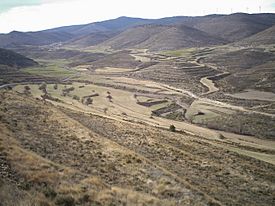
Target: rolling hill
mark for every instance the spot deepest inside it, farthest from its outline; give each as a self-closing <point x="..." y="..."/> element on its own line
<point x="161" y="37"/>
<point x="12" y="59"/>
<point x="232" y="27"/>
<point x="90" y="39"/>
<point x="225" y="28"/>
<point x="220" y="29"/>
<point x="265" y="37"/>
<point x="16" y="38"/>
<point x="104" y="26"/>
<point x="74" y="33"/>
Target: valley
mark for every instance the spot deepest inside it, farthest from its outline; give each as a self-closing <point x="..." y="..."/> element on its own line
<point x="145" y="112"/>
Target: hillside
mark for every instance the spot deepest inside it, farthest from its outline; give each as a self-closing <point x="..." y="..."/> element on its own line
<point x="250" y="68"/>
<point x="63" y="34"/>
<point x="265" y="37"/>
<point x="90" y="39"/>
<point x="103" y="26"/>
<point x="232" y="27"/>
<point x="15" y="38"/>
<point x="12" y="59"/>
<point x="161" y="37"/>
<point x="121" y="59"/>
<point x="55" y="156"/>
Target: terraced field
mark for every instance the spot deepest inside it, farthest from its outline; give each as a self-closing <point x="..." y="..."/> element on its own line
<point x="156" y="129"/>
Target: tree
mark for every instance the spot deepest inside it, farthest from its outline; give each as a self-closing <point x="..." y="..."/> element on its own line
<point x="109" y="97"/>
<point x="89" y="100"/>
<point x="172" y="128"/>
<point x="75" y="97"/>
<point x="105" y="110"/>
<point x="55" y="86"/>
<point x="43" y="87"/>
<point x="27" y="90"/>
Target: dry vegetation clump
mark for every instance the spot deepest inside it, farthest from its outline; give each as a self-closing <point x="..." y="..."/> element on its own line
<point x="75" y="97"/>
<point x="27" y="90"/>
<point x="55" y="86"/>
<point x="43" y="87"/>
<point x="66" y="91"/>
<point x="109" y="97"/>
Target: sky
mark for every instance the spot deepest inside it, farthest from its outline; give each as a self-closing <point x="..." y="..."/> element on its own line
<point x="34" y="15"/>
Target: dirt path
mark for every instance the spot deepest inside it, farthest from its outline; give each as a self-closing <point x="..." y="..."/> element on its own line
<point x="206" y="81"/>
<point x="209" y="84"/>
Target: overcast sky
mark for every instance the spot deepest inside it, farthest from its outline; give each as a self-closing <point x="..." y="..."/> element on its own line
<point x="33" y="15"/>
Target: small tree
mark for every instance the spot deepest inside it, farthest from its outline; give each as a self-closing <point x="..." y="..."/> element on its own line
<point x="109" y="97"/>
<point x="27" y="90"/>
<point x="105" y="110"/>
<point x="75" y="97"/>
<point x="172" y="128"/>
<point x="89" y="100"/>
<point x="55" y="86"/>
<point x="43" y="87"/>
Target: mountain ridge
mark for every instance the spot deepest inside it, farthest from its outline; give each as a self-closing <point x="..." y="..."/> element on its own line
<point x="161" y="37"/>
<point x="230" y="28"/>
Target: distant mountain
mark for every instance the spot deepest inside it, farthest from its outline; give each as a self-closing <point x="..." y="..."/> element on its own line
<point x="225" y="28"/>
<point x="265" y="37"/>
<point x="117" y="24"/>
<point x="232" y="27"/>
<point x="75" y="33"/>
<point x="218" y="28"/>
<point x="12" y="59"/>
<point x="16" y="38"/>
<point x="161" y="37"/>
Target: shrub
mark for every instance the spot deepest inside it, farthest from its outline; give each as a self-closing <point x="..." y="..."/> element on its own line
<point x="89" y="100"/>
<point x="49" y="193"/>
<point x="27" y="90"/>
<point x="105" y="110"/>
<point x="66" y="91"/>
<point x="43" y="87"/>
<point x="172" y="128"/>
<point x="55" y="86"/>
<point x="109" y="97"/>
<point x="75" y="97"/>
<point x="65" y="201"/>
